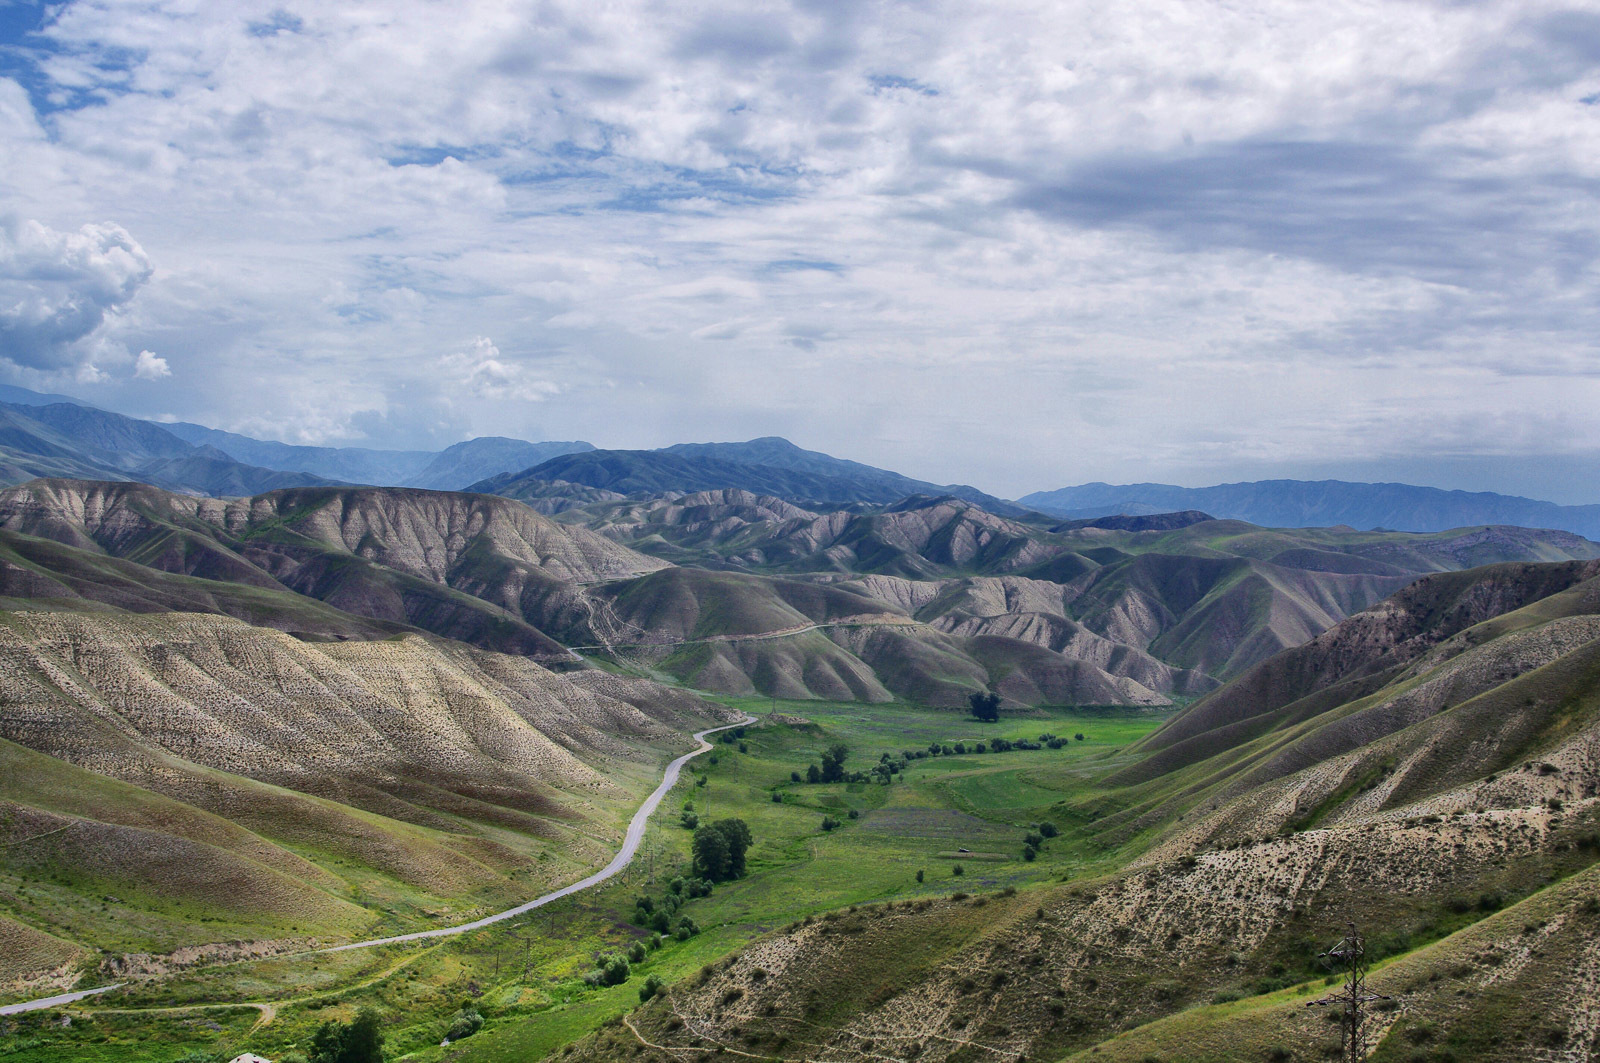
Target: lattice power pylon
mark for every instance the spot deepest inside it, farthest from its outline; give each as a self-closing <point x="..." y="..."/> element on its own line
<point x="1350" y="956"/>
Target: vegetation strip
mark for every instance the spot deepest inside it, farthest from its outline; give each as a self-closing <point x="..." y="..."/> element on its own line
<point x="630" y="845"/>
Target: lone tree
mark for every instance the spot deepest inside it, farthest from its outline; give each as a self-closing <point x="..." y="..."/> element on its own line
<point x="719" y="849"/>
<point x="833" y="762"/>
<point x="985" y="707"/>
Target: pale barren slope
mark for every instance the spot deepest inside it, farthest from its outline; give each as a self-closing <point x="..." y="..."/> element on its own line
<point x="196" y="768"/>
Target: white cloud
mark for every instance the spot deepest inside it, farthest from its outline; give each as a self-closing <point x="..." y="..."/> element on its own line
<point x="483" y="372"/>
<point x="56" y="288"/>
<point x="1107" y="241"/>
<point x="151" y="367"/>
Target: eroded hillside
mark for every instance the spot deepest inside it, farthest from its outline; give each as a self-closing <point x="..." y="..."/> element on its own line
<point x="180" y="779"/>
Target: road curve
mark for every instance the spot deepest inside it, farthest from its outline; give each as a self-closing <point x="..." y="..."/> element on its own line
<point x="624" y="857"/>
<point x="630" y="846"/>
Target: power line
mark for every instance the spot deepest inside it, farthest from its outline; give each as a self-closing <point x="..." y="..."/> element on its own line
<point x="1350" y="955"/>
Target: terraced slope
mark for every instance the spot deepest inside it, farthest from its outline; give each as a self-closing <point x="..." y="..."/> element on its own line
<point x="187" y="780"/>
<point x="1417" y="768"/>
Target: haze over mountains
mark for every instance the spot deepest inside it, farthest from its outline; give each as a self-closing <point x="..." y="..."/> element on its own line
<point x="1321" y="504"/>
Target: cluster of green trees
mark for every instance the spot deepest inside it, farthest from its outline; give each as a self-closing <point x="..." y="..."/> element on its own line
<point x="720" y="848"/>
<point x="358" y="1041"/>
<point x="833" y="769"/>
<point x="663" y="916"/>
<point x="1034" y="840"/>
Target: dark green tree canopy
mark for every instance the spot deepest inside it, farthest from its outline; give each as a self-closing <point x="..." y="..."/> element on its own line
<point x="720" y="847"/>
<point x="358" y="1041"/>
<point x="985" y="707"/>
<point x="833" y="762"/>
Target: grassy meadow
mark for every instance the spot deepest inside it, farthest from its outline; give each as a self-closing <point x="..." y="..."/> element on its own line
<point x="526" y="976"/>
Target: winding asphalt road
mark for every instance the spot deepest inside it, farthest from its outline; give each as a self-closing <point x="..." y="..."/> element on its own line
<point x="624" y="857"/>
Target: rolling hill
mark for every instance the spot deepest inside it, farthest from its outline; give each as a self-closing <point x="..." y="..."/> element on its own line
<point x="1426" y="768"/>
<point x="192" y="780"/>
<point x="1069" y="615"/>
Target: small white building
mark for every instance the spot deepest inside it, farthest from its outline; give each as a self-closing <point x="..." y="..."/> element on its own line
<point x="249" y="1057"/>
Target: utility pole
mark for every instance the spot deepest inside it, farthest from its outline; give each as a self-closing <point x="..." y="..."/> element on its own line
<point x="1350" y="956"/>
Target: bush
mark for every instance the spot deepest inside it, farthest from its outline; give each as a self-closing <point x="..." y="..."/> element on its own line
<point x="636" y="952"/>
<point x="1078" y="737"/>
<point x="651" y="987"/>
<point x="958" y="870"/>
<point x="690" y="820"/>
<point x="686" y="929"/>
<point x="1033" y="838"/>
<point x="1048" y="829"/>
<point x="794" y="776"/>
<point x="744" y="747"/>
<point x="359" y="1041"/>
<point x="855" y="814"/>
<point x="828" y="823"/>
<point x="464" y="1023"/>
<point x="920" y="875"/>
<point x="777" y="798"/>
<point x="1029" y="853"/>
<point x="615" y="971"/>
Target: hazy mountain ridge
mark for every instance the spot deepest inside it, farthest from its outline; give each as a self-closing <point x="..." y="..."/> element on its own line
<point x="78" y="440"/>
<point x="1322" y="503"/>
<point x="766" y="466"/>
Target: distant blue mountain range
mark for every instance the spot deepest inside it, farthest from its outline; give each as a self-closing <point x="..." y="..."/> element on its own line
<point x="1321" y="503"/>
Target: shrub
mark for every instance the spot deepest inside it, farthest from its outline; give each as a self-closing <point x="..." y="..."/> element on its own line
<point x="615" y="971"/>
<point x="744" y="747"/>
<point x="920" y="874"/>
<point x="636" y="952"/>
<point x="855" y="814"/>
<point x="828" y="823"/>
<point x="794" y="776"/>
<point x="777" y="798"/>
<point x="464" y="1023"/>
<point x="1078" y="737"/>
<point x="1029" y="853"/>
<point x="1033" y="838"/>
<point x="690" y="820"/>
<point x="958" y="870"/>
<point x="651" y="987"/>
<point x="1048" y="829"/>
<point x="359" y="1041"/>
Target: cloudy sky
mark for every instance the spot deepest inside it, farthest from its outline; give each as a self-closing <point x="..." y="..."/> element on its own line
<point x="1018" y="245"/>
